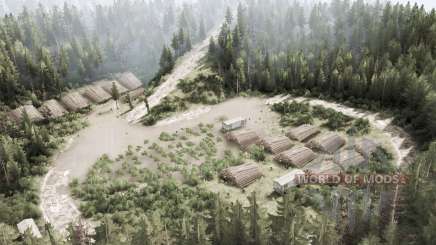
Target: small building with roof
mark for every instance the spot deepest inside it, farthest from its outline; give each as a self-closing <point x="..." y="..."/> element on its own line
<point x="233" y="124"/>
<point x="129" y="80"/>
<point x="74" y="101"/>
<point x="52" y="109"/>
<point x="18" y="114"/>
<point x="283" y="183"/>
<point x="107" y="86"/>
<point x="96" y="94"/>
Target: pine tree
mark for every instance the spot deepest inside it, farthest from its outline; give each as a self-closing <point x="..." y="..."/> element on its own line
<point x="255" y="234"/>
<point x="238" y="232"/>
<point x="115" y="93"/>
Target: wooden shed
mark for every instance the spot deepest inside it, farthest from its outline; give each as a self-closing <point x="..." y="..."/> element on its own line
<point x="366" y="147"/>
<point x="33" y="114"/>
<point x="29" y="225"/>
<point x="303" y="132"/>
<point x="129" y="80"/>
<point x="244" y="138"/>
<point x="107" y="86"/>
<point x="96" y="94"/>
<point x="328" y="143"/>
<point x="74" y="101"/>
<point x="242" y="175"/>
<point x="298" y="156"/>
<point x="348" y="158"/>
<point x="283" y="183"/>
<point x="278" y="144"/>
<point x="52" y="109"/>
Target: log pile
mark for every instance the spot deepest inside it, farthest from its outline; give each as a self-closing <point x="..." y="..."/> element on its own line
<point x="277" y="145"/>
<point x="243" y="138"/>
<point x="329" y="143"/>
<point x="348" y="158"/>
<point x="242" y="175"/>
<point x="366" y="147"/>
<point x="298" y="156"/>
<point x="303" y="132"/>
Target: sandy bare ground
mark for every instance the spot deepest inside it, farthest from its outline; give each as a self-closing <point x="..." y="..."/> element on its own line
<point x="111" y="134"/>
<point x="185" y="66"/>
<point x="377" y="122"/>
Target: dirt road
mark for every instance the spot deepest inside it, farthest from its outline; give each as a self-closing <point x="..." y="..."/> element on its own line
<point x="377" y="122"/>
<point x="106" y="134"/>
<point x="185" y="66"/>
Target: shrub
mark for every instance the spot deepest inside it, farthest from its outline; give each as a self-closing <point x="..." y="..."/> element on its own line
<point x="164" y="136"/>
<point x="257" y="153"/>
<point x="360" y="127"/>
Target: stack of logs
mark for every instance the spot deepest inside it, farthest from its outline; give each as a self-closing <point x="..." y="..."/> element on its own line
<point x="276" y="145"/>
<point x="242" y="175"/>
<point x="244" y="138"/>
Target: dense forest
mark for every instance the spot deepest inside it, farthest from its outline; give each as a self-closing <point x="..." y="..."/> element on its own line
<point x="46" y="51"/>
<point x="372" y="55"/>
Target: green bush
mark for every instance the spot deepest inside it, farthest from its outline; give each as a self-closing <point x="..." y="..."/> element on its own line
<point x="257" y="153"/>
<point x="360" y="127"/>
<point x="164" y="136"/>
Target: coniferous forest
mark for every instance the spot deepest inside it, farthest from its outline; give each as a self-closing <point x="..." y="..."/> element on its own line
<point x="374" y="56"/>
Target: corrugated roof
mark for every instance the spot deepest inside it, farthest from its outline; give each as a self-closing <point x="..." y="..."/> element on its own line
<point x="33" y="114"/>
<point x="96" y="93"/>
<point x="129" y="80"/>
<point x="52" y="109"/>
<point x="107" y="86"/>
<point x="74" y="101"/>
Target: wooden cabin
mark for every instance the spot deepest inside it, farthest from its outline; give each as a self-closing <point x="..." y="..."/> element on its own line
<point x="282" y="184"/>
<point x="74" y="101"/>
<point x="348" y="158"/>
<point x="233" y="124"/>
<point x="297" y="156"/>
<point x="276" y="145"/>
<point x="18" y="114"/>
<point x="328" y="143"/>
<point x="366" y="147"/>
<point x="303" y="132"/>
<point x="96" y="94"/>
<point x="129" y="80"/>
<point x="242" y="175"/>
<point x="52" y="109"/>
<point x="243" y="138"/>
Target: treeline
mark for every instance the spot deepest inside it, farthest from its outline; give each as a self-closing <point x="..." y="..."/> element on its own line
<point x="372" y="55"/>
<point x="43" y="52"/>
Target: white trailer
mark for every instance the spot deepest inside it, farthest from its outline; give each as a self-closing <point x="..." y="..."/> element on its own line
<point x="234" y="124"/>
<point x="29" y="225"/>
<point x="282" y="184"/>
